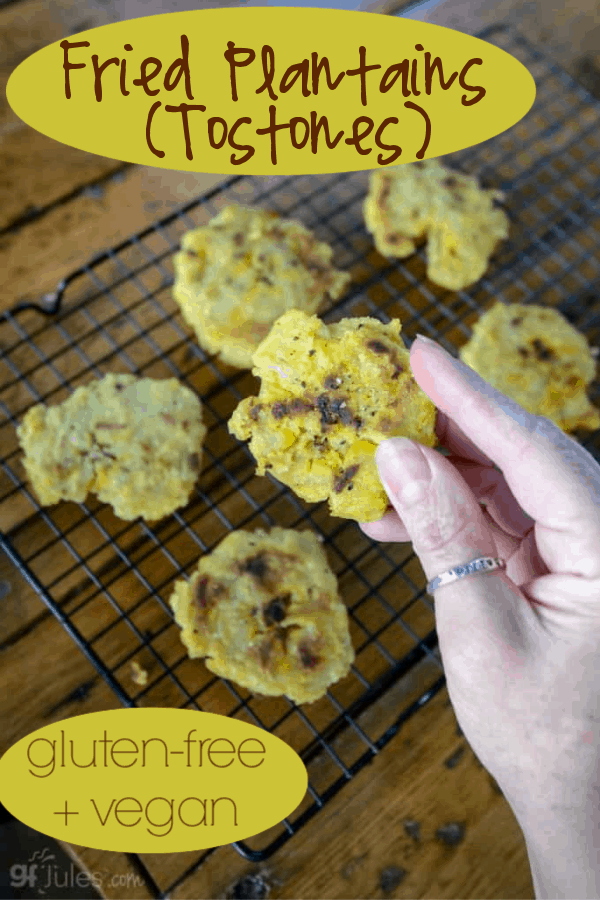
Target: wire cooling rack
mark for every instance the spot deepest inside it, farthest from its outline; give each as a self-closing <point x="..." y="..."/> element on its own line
<point x="108" y="582"/>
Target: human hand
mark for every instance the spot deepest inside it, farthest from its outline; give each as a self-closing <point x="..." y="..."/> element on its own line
<point x="520" y="646"/>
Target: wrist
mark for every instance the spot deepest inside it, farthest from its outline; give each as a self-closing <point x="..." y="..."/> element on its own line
<point x="564" y="852"/>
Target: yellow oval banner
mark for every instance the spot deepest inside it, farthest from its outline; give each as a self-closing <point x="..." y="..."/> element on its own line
<point x="151" y="780"/>
<point x="269" y="91"/>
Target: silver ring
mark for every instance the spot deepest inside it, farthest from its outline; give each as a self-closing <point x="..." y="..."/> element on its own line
<point x="482" y="564"/>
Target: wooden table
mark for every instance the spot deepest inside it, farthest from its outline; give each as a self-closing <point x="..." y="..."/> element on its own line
<point x="380" y="837"/>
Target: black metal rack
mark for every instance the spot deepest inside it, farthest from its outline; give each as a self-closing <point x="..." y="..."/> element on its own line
<point x="108" y="582"/>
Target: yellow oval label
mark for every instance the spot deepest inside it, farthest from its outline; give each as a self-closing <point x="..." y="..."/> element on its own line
<point x="151" y="780"/>
<point x="268" y="91"/>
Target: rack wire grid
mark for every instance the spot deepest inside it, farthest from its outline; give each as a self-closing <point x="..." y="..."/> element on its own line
<point x="108" y="582"/>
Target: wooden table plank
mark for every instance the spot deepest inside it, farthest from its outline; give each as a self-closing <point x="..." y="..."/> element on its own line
<point x="37" y="171"/>
<point x="35" y="258"/>
<point x="21" y="605"/>
<point x="114" y="873"/>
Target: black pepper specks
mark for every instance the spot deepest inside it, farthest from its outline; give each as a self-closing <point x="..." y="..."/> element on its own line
<point x="296" y="407"/>
<point x="276" y="609"/>
<point x="255" y="566"/>
<point x="308" y="659"/>
<point x="345" y="479"/>
<point x="542" y="352"/>
<point x="300" y="406"/>
<point x="335" y="410"/>
<point x="279" y="410"/>
<point x="378" y="347"/>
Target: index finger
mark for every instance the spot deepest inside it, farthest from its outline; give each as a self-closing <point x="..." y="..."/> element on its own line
<point x="553" y="478"/>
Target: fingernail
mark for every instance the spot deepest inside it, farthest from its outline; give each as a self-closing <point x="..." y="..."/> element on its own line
<point x="430" y="343"/>
<point x="405" y="471"/>
<point x="421" y="337"/>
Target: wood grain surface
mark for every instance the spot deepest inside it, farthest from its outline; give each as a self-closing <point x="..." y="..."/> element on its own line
<point x="423" y="819"/>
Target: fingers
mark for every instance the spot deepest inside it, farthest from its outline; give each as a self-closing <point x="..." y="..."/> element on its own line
<point x="565" y="603"/>
<point x="434" y="503"/>
<point x="488" y="486"/>
<point x="389" y="528"/>
<point x="483" y="618"/>
<point x="552" y="477"/>
<point x="452" y="437"/>
<point x="526" y="563"/>
<point x="482" y="613"/>
<point x="448" y="528"/>
<point x="523" y="562"/>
